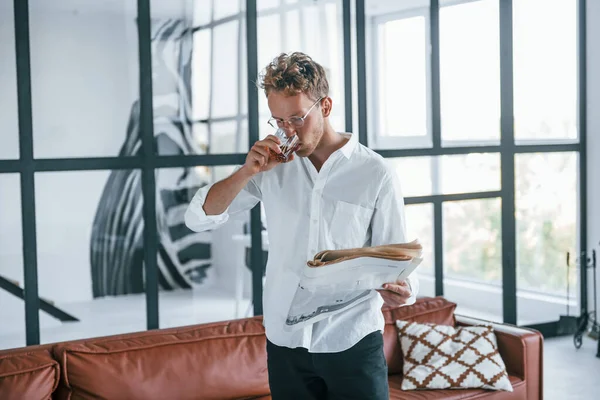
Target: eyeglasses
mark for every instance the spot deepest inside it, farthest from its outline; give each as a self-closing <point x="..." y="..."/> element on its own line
<point x="296" y="122"/>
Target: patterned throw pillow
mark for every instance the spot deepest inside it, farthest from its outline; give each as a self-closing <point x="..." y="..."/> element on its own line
<point x="444" y="357"/>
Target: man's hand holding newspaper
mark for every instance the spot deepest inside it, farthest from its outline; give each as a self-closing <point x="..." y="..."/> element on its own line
<point x="395" y="294"/>
<point x="337" y="279"/>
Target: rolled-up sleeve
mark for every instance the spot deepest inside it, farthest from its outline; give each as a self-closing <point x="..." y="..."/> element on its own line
<point x="196" y="218"/>
<point x="389" y="223"/>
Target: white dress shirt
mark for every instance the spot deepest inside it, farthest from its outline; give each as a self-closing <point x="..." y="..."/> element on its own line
<point x="353" y="201"/>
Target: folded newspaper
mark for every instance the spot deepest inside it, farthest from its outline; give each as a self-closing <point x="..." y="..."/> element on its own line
<point x="338" y="279"/>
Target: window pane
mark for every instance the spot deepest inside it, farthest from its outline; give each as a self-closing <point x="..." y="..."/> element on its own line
<point x="90" y="241"/>
<point x="175" y="52"/>
<point x="402" y="84"/>
<point x="474" y="172"/>
<point x="219" y="89"/>
<point x="419" y="225"/>
<point x="12" y="309"/>
<point x="205" y="276"/>
<point x="546" y="217"/>
<point x="545" y="69"/>
<point x="312" y="28"/>
<point x="473" y="257"/>
<point x="84" y="78"/>
<point x="464" y="173"/>
<point x="201" y="74"/>
<point x="229" y="137"/>
<point x="398" y="74"/>
<point x="225" y="70"/>
<point x="9" y="119"/>
<point x="415" y="174"/>
<point x="470" y="72"/>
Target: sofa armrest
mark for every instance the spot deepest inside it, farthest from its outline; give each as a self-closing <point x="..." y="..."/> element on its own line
<point x="521" y="349"/>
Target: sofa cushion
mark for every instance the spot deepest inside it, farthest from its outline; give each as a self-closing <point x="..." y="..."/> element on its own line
<point x="396" y="393"/>
<point x="212" y="361"/>
<point x="28" y="373"/>
<point x="427" y="309"/>
<point x="444" y="357"/>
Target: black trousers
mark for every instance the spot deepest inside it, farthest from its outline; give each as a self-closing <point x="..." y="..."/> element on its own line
<point x="357" y="373"/>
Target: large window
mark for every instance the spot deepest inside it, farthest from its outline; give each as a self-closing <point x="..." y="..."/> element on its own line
<point x="410" y="50"/>
<point x="494" y="201"/>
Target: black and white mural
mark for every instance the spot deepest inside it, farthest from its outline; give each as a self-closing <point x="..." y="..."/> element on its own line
<point x="117" y="241"/>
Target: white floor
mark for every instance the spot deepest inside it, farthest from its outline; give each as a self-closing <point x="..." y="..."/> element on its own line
<point x="569" y="373"/>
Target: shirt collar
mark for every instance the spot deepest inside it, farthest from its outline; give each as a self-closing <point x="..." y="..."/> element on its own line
<point x="348" y="148"/>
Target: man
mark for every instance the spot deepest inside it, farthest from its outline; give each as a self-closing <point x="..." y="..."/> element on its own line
<point x="334" y="194"/>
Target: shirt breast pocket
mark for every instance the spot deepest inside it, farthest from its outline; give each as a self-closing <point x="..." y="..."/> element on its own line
<point x="350" y="225"/>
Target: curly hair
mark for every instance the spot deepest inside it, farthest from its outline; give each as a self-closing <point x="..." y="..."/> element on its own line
<point x="293" y="74"/>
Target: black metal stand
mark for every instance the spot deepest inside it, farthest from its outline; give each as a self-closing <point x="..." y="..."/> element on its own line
<point x="45" y="305"/>
<point x="590" y="317"/>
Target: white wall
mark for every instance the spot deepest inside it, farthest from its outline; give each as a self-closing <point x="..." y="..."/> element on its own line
<point x="593" y="136"/>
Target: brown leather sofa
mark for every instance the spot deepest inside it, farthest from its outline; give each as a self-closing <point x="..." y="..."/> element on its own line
<point x="227" y="360"/>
